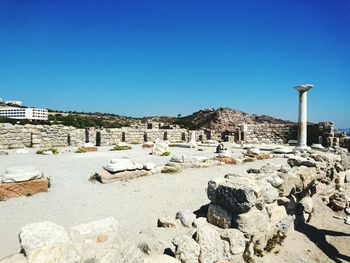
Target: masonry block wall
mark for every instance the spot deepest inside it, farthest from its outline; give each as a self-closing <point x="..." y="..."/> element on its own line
<point x="18" y="136"/>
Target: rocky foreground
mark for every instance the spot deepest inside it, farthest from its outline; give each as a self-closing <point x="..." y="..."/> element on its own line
<point x="249" y="215"/>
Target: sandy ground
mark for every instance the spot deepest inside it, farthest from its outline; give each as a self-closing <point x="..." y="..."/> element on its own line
<point x="137" y="204"/>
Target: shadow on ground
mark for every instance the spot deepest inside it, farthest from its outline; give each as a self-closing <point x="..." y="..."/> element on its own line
<point x="318" y="236"/>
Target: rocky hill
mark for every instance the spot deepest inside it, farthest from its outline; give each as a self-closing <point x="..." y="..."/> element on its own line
<point x="223" y="119"/>
<point x="220" y="119"/>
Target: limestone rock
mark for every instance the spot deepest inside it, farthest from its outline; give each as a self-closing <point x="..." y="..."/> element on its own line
<point x="37" y="238"/>
<point x="166" y="221"/>
<point x="219" y="216"/>
<point x="149" y="166"/>
<point x="106" y="177"/>
<point x="120" y="165"/>
<point x="161" y="259"/>
<point x="123" y="252"/>
<point x="308" y="204"/>
<point x="253" y="223"/>
<point x="21" y="174"/>
<point x="160" y="147"/>
<point x="282" y="150"/>
<point x="235" y="239"/>
<point x="276" y="213"/>
<point x="275" y="181"/>
<point x="269" y="193"/>
<point x="186" y="217"/>
<point x="186" y="249"/>
<point x="338" y="201"/>
<point x="211" y="245"/>
<point x="17" y="258"/>
<point x="199" y="222"/>
<point x="92" y="230"/>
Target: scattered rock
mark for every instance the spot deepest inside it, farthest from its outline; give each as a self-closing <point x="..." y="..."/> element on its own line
<point x="167" y="221"/>
<point x="186" y="217"/>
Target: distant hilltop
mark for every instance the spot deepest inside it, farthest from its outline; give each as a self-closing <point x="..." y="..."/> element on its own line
<point x="220" y="119"/>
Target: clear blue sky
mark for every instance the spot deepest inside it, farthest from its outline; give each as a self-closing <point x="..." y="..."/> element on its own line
<point x="168" y="57"/>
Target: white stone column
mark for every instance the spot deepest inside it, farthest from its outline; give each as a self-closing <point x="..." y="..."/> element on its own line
<point x="302" y="130"/>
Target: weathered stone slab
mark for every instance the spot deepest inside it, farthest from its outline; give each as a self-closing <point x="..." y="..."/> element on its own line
<point x="106" y="177"/>
<point x="21" y="174"/>
<point x="120" y="165"/>
<point x="10" y="190"/>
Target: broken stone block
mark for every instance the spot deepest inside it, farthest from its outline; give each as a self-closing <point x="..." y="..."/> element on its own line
<point x="21" y="174"/>
<point x="107" y="177"/>
<point x="10" y="190"/>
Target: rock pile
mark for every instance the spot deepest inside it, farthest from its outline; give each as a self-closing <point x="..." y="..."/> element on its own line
<point x="22" y="180"/>
<point x="248" y="214"/>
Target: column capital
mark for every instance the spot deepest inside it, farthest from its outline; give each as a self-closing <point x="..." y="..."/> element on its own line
<point x="304" y="87"/>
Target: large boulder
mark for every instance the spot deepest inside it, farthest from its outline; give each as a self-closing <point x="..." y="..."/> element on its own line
<point x="237" y="194"/>
<point x="47" y="242"/>
<point x="21" y="174"/>
<point x="211" y="245"/>
<point x="90" y="237"/>
<point x="186" y="249"/>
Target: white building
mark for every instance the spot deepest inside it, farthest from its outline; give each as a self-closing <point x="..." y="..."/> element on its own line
<point x="14" y="102"/>
<point x="24" y="113"/>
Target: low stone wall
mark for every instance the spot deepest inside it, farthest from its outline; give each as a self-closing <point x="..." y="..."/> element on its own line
<point x="322" y="132"/>
<point x="18" y="136"/>
<point x="270" y="133"/>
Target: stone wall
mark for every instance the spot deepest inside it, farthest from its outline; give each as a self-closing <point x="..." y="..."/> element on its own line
<point x="269" y="133"/>
<point x="322" y="132"/>
<point x="18" y="136"/>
